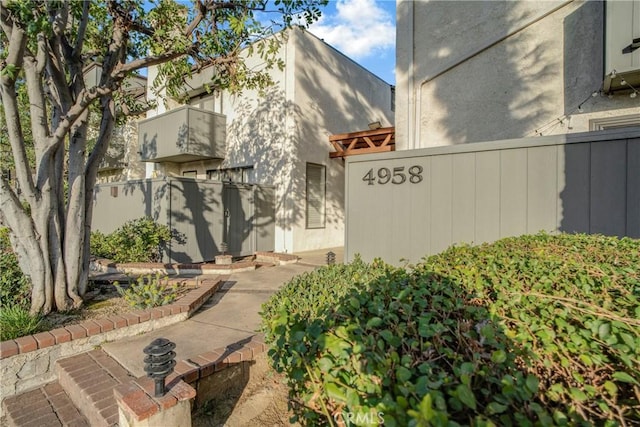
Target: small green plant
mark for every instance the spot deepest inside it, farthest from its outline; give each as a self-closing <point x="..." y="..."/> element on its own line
<point x="15" y="287"/>
<point x="16" y="321"/>
<point x="139" y="240"/>
<point x="148" y="291"/>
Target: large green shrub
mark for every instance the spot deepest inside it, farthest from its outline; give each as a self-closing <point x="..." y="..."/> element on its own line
<point x="15" y="287"/>
<point x="139" y="240"/>
<point x="531" y="330"/>
<point x="572" y="303"/>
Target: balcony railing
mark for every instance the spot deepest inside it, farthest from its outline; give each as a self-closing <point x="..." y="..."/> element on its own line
<point x="182" y="135"/>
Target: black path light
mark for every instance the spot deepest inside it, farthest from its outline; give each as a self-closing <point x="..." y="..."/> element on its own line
<point x="331" y="258"/>
<point x="159" y="362"/>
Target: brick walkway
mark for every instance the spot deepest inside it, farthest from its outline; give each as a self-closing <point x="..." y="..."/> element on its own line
<point x="47" y="406"/>
<point x="84" y="394"/>
<point x="89" y="380"/>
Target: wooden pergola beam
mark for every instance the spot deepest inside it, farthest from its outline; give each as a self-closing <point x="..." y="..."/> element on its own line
<point x="363" y="142"/>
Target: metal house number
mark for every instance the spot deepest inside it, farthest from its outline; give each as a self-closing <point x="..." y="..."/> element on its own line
<point x="395" y="176"/>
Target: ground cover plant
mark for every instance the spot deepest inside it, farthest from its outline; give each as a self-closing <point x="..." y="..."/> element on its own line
<point x="535" y="330"/>
<point x="148" y="291"/>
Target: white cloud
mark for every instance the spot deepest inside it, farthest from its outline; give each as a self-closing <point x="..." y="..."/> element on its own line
<point x="359" y="28"/>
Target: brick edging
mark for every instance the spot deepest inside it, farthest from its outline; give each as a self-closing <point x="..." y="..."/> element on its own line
<point x="205" y="364"/>
<point x="188" y="303"/>
<point x="137" y="397"/>
<point x="108" y="266"/>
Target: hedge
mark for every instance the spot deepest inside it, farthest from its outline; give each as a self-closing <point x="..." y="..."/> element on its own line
<point x="535" y="330"/>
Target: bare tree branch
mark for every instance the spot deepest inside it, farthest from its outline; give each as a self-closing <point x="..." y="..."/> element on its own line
<point x="82" y="30"/>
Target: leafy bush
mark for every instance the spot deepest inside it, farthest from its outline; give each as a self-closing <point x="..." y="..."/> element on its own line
<point x="16" y="321"/>
<point x="139" y="240"/>
<point x="148" y="292"/>
<point x="532" y="330"/>
<point x="15" y="287"/>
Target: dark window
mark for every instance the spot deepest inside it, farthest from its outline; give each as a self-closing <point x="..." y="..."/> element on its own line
<point x="316" y="195"/>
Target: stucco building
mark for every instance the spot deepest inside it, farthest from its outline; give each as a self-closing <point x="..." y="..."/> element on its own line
<point x="279" y="138"/>
<point x="512" y="117"/>
<point x="470" y="71"/>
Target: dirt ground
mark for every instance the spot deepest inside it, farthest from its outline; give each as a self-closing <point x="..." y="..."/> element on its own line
<point x="101" y="300"/>
<point x="261" y="403"/>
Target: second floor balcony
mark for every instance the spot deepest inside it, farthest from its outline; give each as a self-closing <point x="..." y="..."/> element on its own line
<point x="182" y="135"/>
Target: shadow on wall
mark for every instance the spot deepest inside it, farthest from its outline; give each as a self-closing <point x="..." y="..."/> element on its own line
<point x="602" y="188"/>
<point x="516" y="88"/>
<point x="196" y="213"/>
<point x="583" y="54"/>
<point x="506" y="96"/>
<point x="337" y="96"/>
<point x="263" y="134"/>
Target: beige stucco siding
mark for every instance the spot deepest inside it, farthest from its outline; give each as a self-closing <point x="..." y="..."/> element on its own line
<point x="332" y="94"/>
<point x="479" y="71"/>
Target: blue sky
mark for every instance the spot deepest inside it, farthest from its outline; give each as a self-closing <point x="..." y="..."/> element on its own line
<point x="364" y="30"/>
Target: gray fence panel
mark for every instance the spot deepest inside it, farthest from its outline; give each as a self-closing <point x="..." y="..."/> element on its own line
<point x="441" y="202"/>
<point x="464" y="197"/>
<point x="542" y="188"/>
<point x="196" y="217"/>
<point x="238" y="203"/>
<point x="264" y="221"/>
<point x="513" y="192"/>
<point x="608" y="188"/>
<point x="481" y="192"/>
<point x="574" y="177"/>
<point x="119" y="202"/>
<point x="487" y="188"/>
<point x="194" y="210"/>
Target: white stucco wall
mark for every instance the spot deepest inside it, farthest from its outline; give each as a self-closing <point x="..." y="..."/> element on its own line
<point x="472" y="71"/>
<point x="320" y="92"/>
<point x="332" y="94"/>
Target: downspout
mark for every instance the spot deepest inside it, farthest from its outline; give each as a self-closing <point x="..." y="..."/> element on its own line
<point x="418" y="95"/>
<point x="286" y="203"/>
<point x="411" y="117"/>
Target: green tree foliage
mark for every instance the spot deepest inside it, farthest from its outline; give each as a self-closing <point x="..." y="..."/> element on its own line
<point x="535" y="330"/>
<point x="49" y="105"/>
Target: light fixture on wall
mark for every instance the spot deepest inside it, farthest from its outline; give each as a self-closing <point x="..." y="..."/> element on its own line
<point x="375" y="125"/>
<point x="547" y="127"/>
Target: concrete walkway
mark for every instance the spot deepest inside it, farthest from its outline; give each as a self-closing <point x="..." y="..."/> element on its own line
<point x="231" y="316"/>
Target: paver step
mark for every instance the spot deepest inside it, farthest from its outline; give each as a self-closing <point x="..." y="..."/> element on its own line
<point x="89" y="379"/>
<point x="47" y="406"/>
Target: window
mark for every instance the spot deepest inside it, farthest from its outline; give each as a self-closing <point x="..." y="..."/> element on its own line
<point x="614" y="122"/>
<point x="316" y="195"/>
<point x="190" y="174"/>
<point x="241" y="174"/>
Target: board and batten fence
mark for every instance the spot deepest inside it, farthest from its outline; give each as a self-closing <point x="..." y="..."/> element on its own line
<point x="202" y="214"/>
<point x="404" y="205"/>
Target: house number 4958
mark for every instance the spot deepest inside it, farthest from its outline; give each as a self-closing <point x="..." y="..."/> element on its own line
<point x="396" y="175"/>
